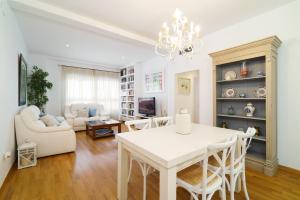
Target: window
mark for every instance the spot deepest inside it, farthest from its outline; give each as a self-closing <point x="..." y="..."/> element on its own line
<point x="92" y="86"/>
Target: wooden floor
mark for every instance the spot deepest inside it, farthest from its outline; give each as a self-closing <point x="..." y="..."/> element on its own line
<point x="91" y="173"/>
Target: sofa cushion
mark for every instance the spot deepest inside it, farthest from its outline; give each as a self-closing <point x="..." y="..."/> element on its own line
<point x="40" y="123"/>
<point x="80" y="121"/>
<point x="50" y="120"/>
<point x="83" y="112"/>
<point x="60" y="119"/>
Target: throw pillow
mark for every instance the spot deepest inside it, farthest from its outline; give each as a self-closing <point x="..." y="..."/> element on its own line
<point x="49" y="120"/>
<point x="60" y="119"/>
<point x="83" y="113"/>
<point x="92" y="112"/>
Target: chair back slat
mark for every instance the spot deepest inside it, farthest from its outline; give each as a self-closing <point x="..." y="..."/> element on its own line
<point x="162" y="121"/>
<point x="144" y="123"/>
<point x="245" y="141"/>
<point x="220" y="152"/>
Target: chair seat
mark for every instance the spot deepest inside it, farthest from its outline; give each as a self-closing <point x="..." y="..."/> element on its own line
<point x="191" y="178"/>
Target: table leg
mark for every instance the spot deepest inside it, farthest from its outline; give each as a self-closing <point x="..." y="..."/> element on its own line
<point x="119" y="128"/>
<point x="94" y="133"/>
<point x="123" y="160"/>
<point x="167" y="185"/>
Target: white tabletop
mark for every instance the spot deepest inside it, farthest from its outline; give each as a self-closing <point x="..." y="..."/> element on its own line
<point x="168" y="148"/>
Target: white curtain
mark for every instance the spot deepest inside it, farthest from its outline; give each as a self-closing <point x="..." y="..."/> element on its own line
<point x="92" y="86"/>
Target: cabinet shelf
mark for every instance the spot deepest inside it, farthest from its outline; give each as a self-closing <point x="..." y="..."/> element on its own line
<point x="256" y="157"/>
<point x="242" y="79"/>
<point x="259" y="138"/>
<point x="241" y="117"/>
<point x="245" y="99"/>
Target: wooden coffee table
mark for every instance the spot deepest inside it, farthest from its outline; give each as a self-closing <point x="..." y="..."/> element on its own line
<point x="98" y="128"/>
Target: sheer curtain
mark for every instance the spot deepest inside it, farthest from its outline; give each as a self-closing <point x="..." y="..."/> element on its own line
<point x="91" y="86"/>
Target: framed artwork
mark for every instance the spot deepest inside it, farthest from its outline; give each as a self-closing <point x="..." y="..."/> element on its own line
<point x="184" y="86"/>
<point x="154" y="82"/>
<point x="22" y="81"/>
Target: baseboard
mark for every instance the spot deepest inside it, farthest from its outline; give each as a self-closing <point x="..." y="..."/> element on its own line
<point x="289" y="169"/>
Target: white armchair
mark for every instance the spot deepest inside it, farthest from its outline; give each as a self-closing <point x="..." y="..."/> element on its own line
<point x="78" y="122"/>
<point x="49" y="140"/>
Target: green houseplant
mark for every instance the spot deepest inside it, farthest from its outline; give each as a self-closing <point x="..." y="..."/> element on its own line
<point x="37" y="88"/>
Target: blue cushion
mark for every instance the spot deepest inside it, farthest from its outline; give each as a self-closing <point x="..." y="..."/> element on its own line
<point x="92" y="112"/>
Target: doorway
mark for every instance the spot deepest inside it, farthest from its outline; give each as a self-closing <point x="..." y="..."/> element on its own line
<point x="187" y="93"/>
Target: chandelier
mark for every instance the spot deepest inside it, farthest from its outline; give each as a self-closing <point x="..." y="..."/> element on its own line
<point x="178" y="41"/>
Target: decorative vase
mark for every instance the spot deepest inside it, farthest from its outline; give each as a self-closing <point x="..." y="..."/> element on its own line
<point x="257" y="133"/>
<point x="244" y="70"/>
<point x="183" y="122"/>
<point x="230" y="110"/>
<point x="249" y="109"/>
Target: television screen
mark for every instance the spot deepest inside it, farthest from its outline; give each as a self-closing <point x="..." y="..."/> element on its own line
<point x="147" y="106"/>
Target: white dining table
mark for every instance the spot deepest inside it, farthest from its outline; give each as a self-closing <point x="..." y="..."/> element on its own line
<point x="166" y="151"/>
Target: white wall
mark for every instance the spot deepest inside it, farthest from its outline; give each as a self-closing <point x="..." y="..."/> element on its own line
<point x="53" y="66"/>
<point x="188" y="101"/>
<point x="11" y="44"/>
<point x="283" y="22"/>
<point x="155" y="65"/>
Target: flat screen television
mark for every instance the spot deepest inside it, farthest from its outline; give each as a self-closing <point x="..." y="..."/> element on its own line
<point x="147" y="106"/>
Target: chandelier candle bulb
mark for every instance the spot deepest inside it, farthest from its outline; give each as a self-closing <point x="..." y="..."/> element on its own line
<point x="179" y="40"/>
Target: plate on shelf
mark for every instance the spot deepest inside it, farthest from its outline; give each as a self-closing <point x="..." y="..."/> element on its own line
<point x="261" y="92"/>
<point x="229" y="93"/>
<point x="230" y="75"/>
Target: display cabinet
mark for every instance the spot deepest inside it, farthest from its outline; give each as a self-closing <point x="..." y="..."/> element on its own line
<point x="244" y="95"/>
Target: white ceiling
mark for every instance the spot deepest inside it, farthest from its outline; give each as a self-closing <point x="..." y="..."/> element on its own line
<point x="146" y="16"/>
<point x="105" y="31"/>
<point x="50" y="38"/>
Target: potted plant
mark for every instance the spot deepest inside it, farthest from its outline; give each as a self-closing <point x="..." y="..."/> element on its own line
<point x="37" y="88"/>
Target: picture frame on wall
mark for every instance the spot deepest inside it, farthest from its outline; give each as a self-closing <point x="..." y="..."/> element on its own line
<point x="154" y="82"/>
<point x="22" y="81"/>
<point x="184" y="86"/>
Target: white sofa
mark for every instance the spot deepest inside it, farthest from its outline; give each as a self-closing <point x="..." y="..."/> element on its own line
<point x="79" y="123"/>
<point x="49" y="140"/>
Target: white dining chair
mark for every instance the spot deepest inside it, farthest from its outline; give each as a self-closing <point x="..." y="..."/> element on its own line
<point x="199" y="179"/>
<point x="236" y="166"/>
<point x="162" y="121"/>
<point x="142" y="124"/>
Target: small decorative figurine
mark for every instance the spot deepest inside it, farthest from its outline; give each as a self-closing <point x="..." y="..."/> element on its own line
<point x="242" y="95"/>
<point x="257" y="133"/>
<point x="260" y="74"/>
<point x="244" y="70"/>
<point x="230" y="110"/>
<point x="223" y="124"/>
<point x="249" y="109"/>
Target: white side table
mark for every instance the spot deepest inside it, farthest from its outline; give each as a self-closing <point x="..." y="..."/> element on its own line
<point x="27" y="155"/>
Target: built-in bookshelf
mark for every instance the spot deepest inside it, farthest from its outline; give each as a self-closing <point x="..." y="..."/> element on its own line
<point x="233" y="90"/>
<point x="127" y="93"/>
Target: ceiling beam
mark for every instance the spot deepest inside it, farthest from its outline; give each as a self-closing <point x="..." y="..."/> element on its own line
<point x="65" y="16"/>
